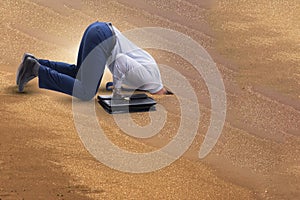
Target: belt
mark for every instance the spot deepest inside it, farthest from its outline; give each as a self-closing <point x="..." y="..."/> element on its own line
<point x="111" y="28"/>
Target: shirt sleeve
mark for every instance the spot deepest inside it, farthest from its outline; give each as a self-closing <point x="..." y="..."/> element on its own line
<point x="121" y="66"/>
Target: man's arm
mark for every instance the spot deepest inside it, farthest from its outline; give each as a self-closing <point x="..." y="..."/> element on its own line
<point x="120" y="68"/>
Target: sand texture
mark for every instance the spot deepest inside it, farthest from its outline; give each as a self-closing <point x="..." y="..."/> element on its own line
<point x="256" y="47"/>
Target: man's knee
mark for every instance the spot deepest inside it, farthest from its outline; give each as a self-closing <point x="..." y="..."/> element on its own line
<point x="86" y="98"/>
<point x="84" y="94"/>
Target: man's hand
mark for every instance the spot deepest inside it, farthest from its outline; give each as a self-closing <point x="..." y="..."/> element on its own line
<point x="117" y="94"/>
<point x="163" y="91"/>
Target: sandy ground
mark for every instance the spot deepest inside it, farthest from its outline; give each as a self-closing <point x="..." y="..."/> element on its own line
<point x="256" y="47"/>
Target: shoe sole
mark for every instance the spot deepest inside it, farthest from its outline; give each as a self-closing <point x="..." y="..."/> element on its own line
<point x="21" y="68"/>
<point x="22" y="85"/>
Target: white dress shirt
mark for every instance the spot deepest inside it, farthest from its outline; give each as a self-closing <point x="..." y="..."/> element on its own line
<point x="133" y="66"/>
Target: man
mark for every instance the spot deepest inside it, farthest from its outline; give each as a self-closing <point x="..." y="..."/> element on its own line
<point x="102" y="44"/>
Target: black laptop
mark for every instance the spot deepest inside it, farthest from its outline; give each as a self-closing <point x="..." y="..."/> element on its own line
<point x="133" y="103"/>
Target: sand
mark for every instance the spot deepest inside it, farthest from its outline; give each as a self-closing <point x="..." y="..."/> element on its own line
<point x="256" y="47"/>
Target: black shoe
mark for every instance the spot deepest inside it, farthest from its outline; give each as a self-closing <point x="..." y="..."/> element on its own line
<point x="30" y="68"/>
<point x="21" y="67"/>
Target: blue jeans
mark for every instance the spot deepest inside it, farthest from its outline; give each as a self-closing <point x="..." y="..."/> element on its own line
<point x="81" y="80"/>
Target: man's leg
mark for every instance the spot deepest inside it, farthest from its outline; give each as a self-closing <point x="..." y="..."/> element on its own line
<point x="53" y="80"/>
<point x="85" y="88"/>
<point x="64" y="68"/>
<point x="93" y="53"/>
<point x="93" y="59"/>
<point x="70" y="69"/>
